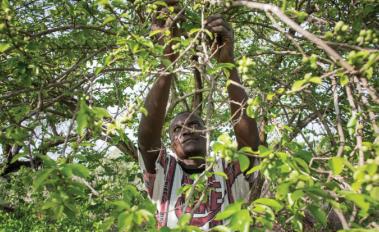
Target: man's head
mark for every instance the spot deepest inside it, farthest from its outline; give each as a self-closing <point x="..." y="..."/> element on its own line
<point x="187" y="135"/>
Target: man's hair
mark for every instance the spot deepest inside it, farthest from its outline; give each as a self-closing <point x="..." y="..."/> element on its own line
<point x="190" y="113"/>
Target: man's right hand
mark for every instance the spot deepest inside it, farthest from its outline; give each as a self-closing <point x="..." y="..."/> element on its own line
<point x="167" y="18"/>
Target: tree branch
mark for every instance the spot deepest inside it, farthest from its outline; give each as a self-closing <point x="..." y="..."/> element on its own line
<point x="313" y="38"/>
<point x="34" y="35"/>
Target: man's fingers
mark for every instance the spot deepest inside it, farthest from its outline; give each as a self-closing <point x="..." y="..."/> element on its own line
<point x="213" y="17"/>
<point x="218" y="29"/>
<point x="217" y="22"/>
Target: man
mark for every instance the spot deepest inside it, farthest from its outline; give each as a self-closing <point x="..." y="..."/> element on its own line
<point x="165" y="174"/>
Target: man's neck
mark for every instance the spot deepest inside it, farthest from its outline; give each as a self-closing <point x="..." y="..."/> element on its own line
<point x="192" y="165"/>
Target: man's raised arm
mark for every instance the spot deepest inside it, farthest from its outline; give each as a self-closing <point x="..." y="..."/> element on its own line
<point x="150" y="127"/>
<point x="245" y="128"/>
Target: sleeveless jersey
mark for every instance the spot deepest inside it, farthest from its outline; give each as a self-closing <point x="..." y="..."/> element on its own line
<point x="162" y="188"/>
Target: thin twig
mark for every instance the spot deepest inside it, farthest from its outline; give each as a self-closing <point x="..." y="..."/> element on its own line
<point x="341" y="135"/>
<point x="83" y="181"/>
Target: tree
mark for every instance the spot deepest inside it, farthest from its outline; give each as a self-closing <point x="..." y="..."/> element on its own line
<point x="73" y="78"/>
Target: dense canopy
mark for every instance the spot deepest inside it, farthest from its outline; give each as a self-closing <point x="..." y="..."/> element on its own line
<point x="73" y="76"/>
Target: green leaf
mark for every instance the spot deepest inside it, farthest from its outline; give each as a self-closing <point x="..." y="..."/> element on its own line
<point x="101" y="112"/>
<point x="109" y="19"/>
<point x="144" y="111"/>
<point x="194" y="30"/>
<point x="184" y="219"/>
<point x="297" y="85"/>
<point x="166" y="62"/>
<point x="165" y="229"/>
<point x="318" y="213"/>
<point x="160" y="3"/>
<point x="217" y="147"/>
<point x="336" y="164"/>
<point x="183" y="189"/>
<point x="371" y="169"/>
<point x="222" y="174"/>
<point x="315" y="80"/>
<point x="248" y="150"/>
<point x="70" y="209"/>
<point x="344" y="80"/>
<point x="241" y="221"/>
<point x="293" y="197"/>
<point x="120" y="204"/>
<point x="4" y="5"/>
<point x="270" y="96"/>
<point x="244" y="162"/>
<point x="375" y="193"/>
<point x="82" y="118"/>
<point x="254" y="169"/>
<point x="103" y="2"/>
<point x="319" y="192"/>
<point x="16" y="157"/>
<point x="351" y="124"/>
<point x="47" y="161"/>
<point x="67" y="171"/>
<point x="108" y="60"/>
<point x="98" y="70"/>
<point x="251" y="111"/>
<point x="79" y="170"/>
<point x="144" y="215"/>
<point x="270" y="202"/>
<point x="303" y="164"/>
<point x="282" y="190"/>
<point x="49" y="204"/>
<point x="221" y="228"/>
<point x="107" y="224"/>
<point x="359" y="200"/>
<point x="4" y="47"/>
<point x="152" y="33"/>
<point x="41" y="177"/>
<point x="225" y="139"/>
<point x="304" y="155"/>
<point x="264" y="151"/>
<point x="229" y="211"/>
<point x="125" y="221"/>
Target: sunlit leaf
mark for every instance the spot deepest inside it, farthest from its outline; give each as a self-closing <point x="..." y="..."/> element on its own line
<point x="222" y="174"/>
<point x="264" y="151"/>
<point x="337" y="164"/>
<point x="82" y="117"/>
<point x="244" y="162"/>
<point x="241" y="221"/>
<point x="101" y="112"/>
<point x="229" y="210"/>
<point x="254" y="169"/>
<point x="297" y="85"/>
<point x="109" y="19"/>
<point x="270" y="202"/>
<point x="4" y="46"/>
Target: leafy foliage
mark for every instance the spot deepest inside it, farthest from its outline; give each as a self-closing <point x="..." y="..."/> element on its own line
<point x="73" y="78"/>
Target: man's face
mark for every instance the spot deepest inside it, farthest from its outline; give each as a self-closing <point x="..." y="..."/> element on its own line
<point x="186" y="139"/>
